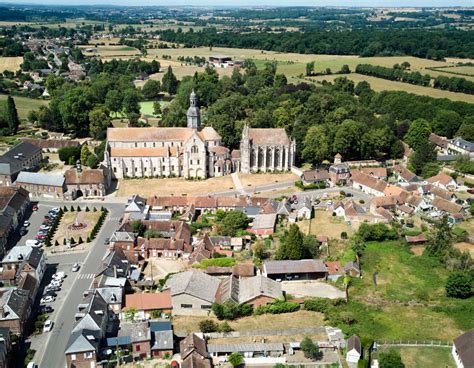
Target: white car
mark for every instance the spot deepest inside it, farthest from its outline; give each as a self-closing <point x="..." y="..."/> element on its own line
<point x="45" y="227"/>
<point x="55" y="283"/>
<point x="75" y="267"/>
<point x="48" y="326"/>
<point x="59" y="275"/>
<point x="47" y="299"/>
<point x="33" y="243"/>
<point x="26" y="223"/>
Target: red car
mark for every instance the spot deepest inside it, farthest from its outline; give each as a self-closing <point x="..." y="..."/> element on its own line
<point x="35" y="208"/>
<point x="470" y="190"/>
<point x="40" y="236"/>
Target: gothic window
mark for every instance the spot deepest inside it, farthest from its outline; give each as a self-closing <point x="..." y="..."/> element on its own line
<point x="194" y="149"/>
<point x="136" y="144"/>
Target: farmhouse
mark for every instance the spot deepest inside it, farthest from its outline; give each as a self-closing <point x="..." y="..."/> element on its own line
<point x="368" y="183"/>
<point x="463" y="351"/>
<point x="459" y="146"/>
<point x="305" y="269"/>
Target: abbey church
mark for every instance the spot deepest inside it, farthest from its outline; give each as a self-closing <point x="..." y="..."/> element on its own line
<point x="194" y="152"/>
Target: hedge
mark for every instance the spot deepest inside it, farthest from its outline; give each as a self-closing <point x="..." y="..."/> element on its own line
<point x="277" y="307"/>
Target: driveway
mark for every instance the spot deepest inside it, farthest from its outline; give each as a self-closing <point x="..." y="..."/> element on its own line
<point x="312" y="288"/>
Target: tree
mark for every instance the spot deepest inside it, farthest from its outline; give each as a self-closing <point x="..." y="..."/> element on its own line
<point x="316" y="145"/>
<point x="12" y="116"/>
<point x="138" y="227"/>
<point x="85" y="153"/>
<point x="235" y="359"/>
<point x="169" y="82"/>
<point x="234" y="221"/>
<point x="310" y="349"/>
<point x="310" y="68"/>
<point x="113" y="101"/>
<point x="390" y="359"/>
<point x="418" y="133"/>
<point x="442" y="239"/>
<point x="207" y="326"/>
<point x="311" y="246"/>
<point x="130" y="314"/>
<point x="157" y="108"/>
<point x="151" y="89"/>
<point x="292" y="244"/>
<point x="459" y="285"/>
<point x="99" y="121"/>
<point x="423" y="155"/>
<point x="131" y="101"/>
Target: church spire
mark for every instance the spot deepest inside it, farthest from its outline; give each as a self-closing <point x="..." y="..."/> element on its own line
<point x="194" y="115"/>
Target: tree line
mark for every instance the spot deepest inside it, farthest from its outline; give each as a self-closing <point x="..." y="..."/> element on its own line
<point x="454" y="84"/>
<point x="431" y="44"/>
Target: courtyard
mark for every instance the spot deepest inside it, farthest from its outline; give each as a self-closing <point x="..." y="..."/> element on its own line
<point x="158" y="268"/>
<point x="75" y="225"/>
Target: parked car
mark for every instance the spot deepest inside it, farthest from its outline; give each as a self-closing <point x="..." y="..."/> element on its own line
<point x="50" y="293"/>
<point x="56" y="283"/>
<point x="33" y="243"/>
<point x="48" y="326"/>
<point x="45" y="227"/>
<point x="26" y="223"/>
<point x="59" y="275"/>
<point x="107" y="241"/>
<point x="53" y="287"/>
<point x="23" y="231"/>
<point x="75" y="267"/>
<point x="47" y="299"/>
<point x="56" y="209"/>
<point x="32" y="365"/>
<point x="40" y="236"/>
<point x="46" y="309"/>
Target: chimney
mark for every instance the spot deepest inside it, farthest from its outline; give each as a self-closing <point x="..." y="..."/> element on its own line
<point x="78" y="166"/>
<point x="115" y="271"/>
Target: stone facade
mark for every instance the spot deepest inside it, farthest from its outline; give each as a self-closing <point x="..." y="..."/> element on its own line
<point x="193" y="152"/>
<point x="266" y="150"/>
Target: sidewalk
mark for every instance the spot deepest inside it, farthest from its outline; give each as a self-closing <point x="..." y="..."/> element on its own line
<point x="237" y="183"/>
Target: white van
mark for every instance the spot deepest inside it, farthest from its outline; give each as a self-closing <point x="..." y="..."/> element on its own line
<point x="32" y="365"/>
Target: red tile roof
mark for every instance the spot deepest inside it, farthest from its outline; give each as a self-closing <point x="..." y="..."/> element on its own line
<point x="148" y="301"/>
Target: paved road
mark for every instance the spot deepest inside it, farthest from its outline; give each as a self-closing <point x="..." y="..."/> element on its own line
<point x="51" y="346"/>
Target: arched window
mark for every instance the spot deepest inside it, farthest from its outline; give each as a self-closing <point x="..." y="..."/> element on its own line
<point x="194" y="149"/>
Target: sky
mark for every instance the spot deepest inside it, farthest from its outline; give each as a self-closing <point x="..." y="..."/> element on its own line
<point x="375" y="3"/>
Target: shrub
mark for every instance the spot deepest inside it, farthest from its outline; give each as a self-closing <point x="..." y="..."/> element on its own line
<point x="69" y="154"/>
<point x="80" y="241"/>
<point x="310" y="349"/>
<point x="459" y="285"/>
<point x="317" y="305"/>
<point x="56" y="243"/>
<point x="87" y="209"/>
<point x="230" y="310"/>
<point x="207" y="326"/>
<point x="225" y="327"/>
<point x="343" y="235"/>
<point x="277" y="307"/>
<point x="72" y="241"/>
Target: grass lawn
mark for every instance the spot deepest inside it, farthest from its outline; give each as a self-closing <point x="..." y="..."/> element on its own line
<point x="265" y="321"/>
<point x="90" y="218"/>
<point x="146" y="107"/>
<point x="409" y="301"/>
<point x="25" y="104"/>
<point x="415" y="357"/>
<point x="173" y="186"/>
<point x="10" y="63"/>
<point x="379" y="84"/>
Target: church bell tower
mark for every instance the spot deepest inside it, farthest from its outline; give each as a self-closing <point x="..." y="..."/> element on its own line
<point x="194" y="115"/>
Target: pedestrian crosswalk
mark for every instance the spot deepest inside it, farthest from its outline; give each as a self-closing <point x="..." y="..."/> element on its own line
<point x="86" y="276"/>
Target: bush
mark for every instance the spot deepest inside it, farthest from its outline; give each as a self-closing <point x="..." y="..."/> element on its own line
<point x="230" y="310"/>
<point x="459" y="285"/>
<point x="208" y="325"/>
<point x="317" y="305"/>
<point x="310" y="349"/>
<point x="299" y="184"/>
<point x="225" y="327"/>
<point x="376" y="232"/>
<point x="277" y="307"/>
<point x="69" y="154"/>
<point x="343" y="235"/>
<point x="219" y="262"/>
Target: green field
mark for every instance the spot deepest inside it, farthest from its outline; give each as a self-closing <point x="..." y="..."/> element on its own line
<point x="426" y="357"/>
<point x="379" y="84"/>
<point x="24" y="104"/>
<point x="146" y="107"/>
<point x="409" y="301"/>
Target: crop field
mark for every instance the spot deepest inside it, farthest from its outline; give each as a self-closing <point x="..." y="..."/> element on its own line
<point x="112" y="51"/>
<point x="11" y="64"/>
<point x="24" y="104"/>
<point x="379" y="84"/>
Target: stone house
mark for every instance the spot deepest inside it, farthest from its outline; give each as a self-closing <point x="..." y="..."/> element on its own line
<point x="140" y="338"/>
<point x="23" y="157"/>
<point x="443" y="181"/>
<point x="162" y="339"/>
<point x="41" y="184"/>
<point x="15" y="309"/>
<point x="88" y="183"/>
<point x="460" y="146"/>
<point x="368" y="184"/>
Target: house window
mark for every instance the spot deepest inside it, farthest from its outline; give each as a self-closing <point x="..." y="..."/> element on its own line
<point x="205" y="307"/>
<point x="73" y="357"/>
<point x="199" y="161"/>
<point x="137" y="347"/>
<point x="136" y="144"/>
<point x="88" y="355"/>
<point x="186" y="306"/>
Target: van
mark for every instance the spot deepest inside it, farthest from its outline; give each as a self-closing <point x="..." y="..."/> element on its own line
<point x="32" y="365"/>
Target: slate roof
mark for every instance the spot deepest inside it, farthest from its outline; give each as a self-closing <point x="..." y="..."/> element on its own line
<point x="86" y="176"/>
<point x="37" y="178"/>
<point x="18" y="254"/>
<point x="23" y="151"/>
<point x="460" y="142"/>
<point x="465" y="348"/>
<point x="15" y="302"/>
<point x="79" y="341"/>
<point x="300" y="266"/>
<point x="264" y="221"/>
<point x="253" y="287"/>
<point x="315" y="175"/>
<point x="195" y="283"/>
<point x="138" y="331"/>
<point x="354" y="343"/>
<point x="242" y="348"/>
<point x="162" y="340"/>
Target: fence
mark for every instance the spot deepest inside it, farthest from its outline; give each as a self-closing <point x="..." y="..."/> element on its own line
<point x="434" y="343"/>
<point x="289" y="331"/>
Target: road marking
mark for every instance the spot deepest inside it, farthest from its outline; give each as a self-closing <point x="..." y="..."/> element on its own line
<point x="85" y="276"/>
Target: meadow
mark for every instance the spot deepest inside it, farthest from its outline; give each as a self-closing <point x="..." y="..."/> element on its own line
<point x="25" y="104"/>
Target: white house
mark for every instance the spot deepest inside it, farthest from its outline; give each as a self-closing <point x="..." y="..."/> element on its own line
<point x="443" y="181"/>
<point x="459" y="146"/>
<point x="354" y="351"/>
<point x="463" y="350"/>
<point x="304" y="209"/>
